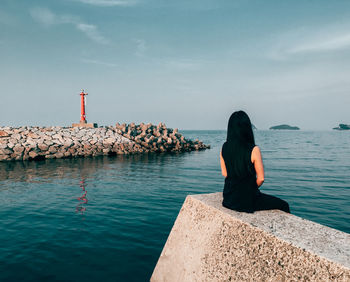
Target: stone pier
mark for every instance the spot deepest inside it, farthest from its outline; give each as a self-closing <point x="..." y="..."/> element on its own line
<point x="38" y="143"/>
<point x="211" y="243"/>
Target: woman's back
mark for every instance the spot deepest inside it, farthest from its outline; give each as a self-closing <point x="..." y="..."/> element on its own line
<point x="238" y="159"/>
<point x="242" y="166"/>
<point x="240" y="184"/>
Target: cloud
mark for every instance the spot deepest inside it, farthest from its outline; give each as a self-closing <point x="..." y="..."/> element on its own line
<point x="140" y="47"/>
<point x="43" y="16"/>
<point x="91" y="32"/>
<point x="48" y="18"/>
<point x="97" y="62"/>
<point x="108" y="3"/>
<point x="182" y="64"/>
<point x="310" y="41"/>
<point x="333" y="43"/>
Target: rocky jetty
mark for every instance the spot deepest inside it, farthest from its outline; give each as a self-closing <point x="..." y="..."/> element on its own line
<point x="342" y="126"/>
<point x="284" y="127"/>
<point x="159" y="138"/>
<point x="35" y="143"/>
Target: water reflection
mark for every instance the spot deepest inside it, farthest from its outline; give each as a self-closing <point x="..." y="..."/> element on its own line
<point x="53" y="169"/>
<point x="81" y="208"/>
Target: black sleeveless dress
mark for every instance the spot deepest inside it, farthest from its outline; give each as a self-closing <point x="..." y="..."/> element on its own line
<point x="240" y="191"/>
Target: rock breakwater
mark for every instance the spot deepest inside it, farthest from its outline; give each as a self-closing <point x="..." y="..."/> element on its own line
<point x="25" y="143"/>
<point x="35" y="143"/>
<point x="159" y="138"/>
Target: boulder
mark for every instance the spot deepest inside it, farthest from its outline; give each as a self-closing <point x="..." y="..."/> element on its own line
<point x="32" y="135"/>
<point x="52" y="149"/>
<point x="33" y="154"/>
<point x="10" y="145"/>
<point x="4" y="157"/>
<point x="3" y="134"/>
<point x="18" y="149"/>
<point x="6" y="152"/>
<point x="43" y="147"/>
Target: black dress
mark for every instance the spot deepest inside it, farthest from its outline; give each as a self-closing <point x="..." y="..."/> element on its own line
<point x="241" y="192"/>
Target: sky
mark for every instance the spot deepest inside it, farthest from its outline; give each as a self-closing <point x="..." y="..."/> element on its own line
<point x="188" y="63"/>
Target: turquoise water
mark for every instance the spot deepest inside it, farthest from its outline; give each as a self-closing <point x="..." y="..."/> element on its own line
<point x="107" y="218"/>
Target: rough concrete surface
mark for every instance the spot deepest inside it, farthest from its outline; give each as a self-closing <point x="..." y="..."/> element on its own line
<point x="211" y="243"/>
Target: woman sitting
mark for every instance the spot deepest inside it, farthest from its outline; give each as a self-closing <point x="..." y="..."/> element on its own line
<point x="242" y="167"/>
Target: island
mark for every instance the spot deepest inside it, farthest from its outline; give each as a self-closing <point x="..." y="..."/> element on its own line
<point x="284" y="127"/>
<point x="342" y="126"/>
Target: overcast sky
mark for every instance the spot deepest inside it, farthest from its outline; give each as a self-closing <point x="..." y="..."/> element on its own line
<point x="188" y="63"/>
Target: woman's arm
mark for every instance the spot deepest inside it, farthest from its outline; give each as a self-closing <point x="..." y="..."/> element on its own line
<point x="223" y="166"/>
<point x="258" y="165"/>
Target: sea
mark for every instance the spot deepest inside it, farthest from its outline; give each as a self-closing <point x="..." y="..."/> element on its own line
<point x="107" y="218"/>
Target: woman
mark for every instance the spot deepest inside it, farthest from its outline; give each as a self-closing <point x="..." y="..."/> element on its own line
<point x="242" y="167"/>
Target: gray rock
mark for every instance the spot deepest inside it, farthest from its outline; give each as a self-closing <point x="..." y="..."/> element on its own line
<point x="52" y="149"/>
<point x="6" y="151"/>
<point x="33" y="154"/>
<point x="4" y="157"/>
<point x="16" y="136"/>
<point x="49" y="156"/>
<point x="10" y="145"/>
<point x="59" y="155"/>
<point x="18" y="149"/>
<point x="4" y="133"/>
<point x="3" y="146"/>
<point x="43" y="147"/>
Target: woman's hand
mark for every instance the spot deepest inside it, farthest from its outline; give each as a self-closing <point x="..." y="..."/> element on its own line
<point x="258" y="165"/>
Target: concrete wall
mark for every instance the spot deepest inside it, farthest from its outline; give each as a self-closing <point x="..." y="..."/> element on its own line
<point x="211" y="243"/>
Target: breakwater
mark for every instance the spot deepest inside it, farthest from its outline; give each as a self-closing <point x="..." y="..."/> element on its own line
<point x="211" y="243"/>
<point x="158" y="138"/>
<point x="35" y="143"/>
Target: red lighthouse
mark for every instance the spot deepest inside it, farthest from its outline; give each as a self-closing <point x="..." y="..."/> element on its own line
<point x="82" y="101"/>
<point x="83" y="122"/>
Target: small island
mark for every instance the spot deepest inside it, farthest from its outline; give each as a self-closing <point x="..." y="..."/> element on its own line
<point x="284" y="127"/>
<point x="342" y="126"/>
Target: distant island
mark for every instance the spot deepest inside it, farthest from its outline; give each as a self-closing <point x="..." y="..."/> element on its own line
<point x="342" y="126"/>
<point x="284" y="127"/>
<point x="254" y="127"/>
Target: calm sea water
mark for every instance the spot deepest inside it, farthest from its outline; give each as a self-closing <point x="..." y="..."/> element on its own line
<point x="107" y="218"/>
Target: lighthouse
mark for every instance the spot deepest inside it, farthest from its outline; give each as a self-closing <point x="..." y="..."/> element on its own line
<point x="83" y="122"/>
<point x="82" y="106"/>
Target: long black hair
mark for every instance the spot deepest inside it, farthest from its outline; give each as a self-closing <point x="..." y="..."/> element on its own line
<point x="236" y="151"/>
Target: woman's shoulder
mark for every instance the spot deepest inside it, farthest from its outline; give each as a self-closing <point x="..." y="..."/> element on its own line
<point x="255" y="149"/>
<point x="256" y="153"/>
